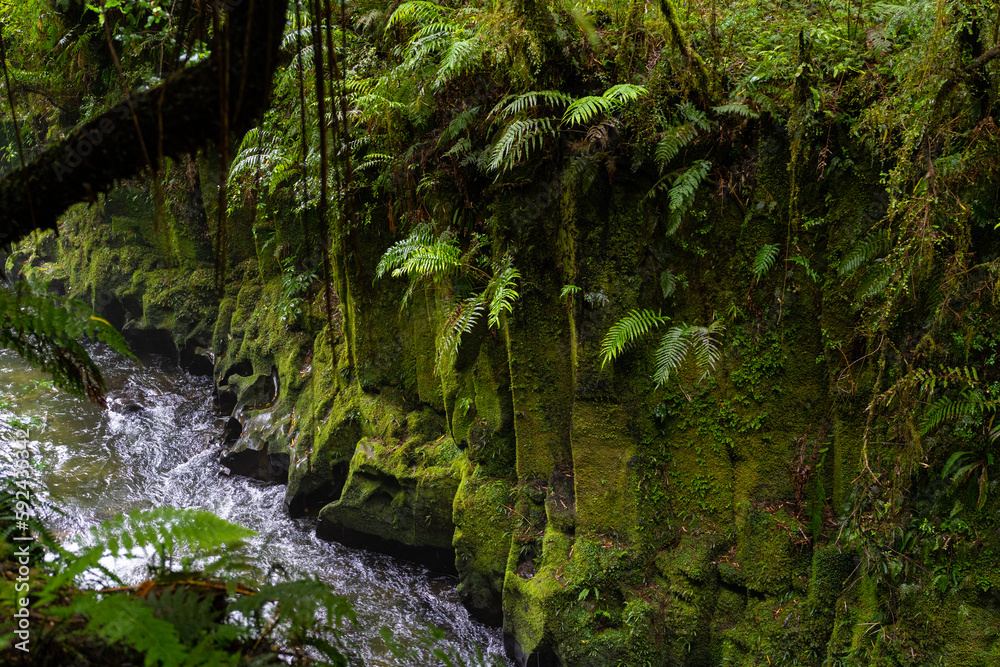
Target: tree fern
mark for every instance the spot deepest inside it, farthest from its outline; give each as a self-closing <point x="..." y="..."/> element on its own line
<point x="627" y="330"/>
<point x="764" y="260"/>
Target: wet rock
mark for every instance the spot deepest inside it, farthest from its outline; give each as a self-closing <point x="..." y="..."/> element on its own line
<point x="232" y="431"/>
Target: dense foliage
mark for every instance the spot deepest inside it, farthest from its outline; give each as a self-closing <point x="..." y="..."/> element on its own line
<point x="430" y="115"/>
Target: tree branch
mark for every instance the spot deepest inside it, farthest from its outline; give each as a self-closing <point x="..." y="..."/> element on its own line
<point x="185" y="108"/>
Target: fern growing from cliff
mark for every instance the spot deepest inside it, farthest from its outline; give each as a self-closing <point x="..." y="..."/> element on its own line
<point x="679" y="344"/>
<point x="624" y="332"/>
<point x="764" y="260"/>
<point x="424" y="258"/>
<point x="681" y="195"/>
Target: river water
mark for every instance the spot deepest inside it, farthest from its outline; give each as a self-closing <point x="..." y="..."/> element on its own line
<point x="93" y="464"/>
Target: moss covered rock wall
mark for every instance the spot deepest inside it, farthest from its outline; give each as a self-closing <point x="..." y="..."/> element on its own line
<point x="601" y="518"/>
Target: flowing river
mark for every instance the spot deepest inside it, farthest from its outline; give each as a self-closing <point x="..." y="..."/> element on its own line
<point x="93" y="464"/>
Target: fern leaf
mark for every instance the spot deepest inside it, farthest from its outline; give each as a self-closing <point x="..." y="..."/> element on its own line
<point x="458" y="125"/>
<point x="168" y="528"/>
<point x="764" y="260"/>
<point x="569" y="290"/>
<point x="706" y="349"/>
<point x="670" y="354"/>
<point x="46" y="332"/>
<point x="668" y="283"/>
<point x="876" y="280"/>
<point x="804" y="263"/>
<point x="416" y="11"/>
<point x="434" y="260"/>
<point x="518" y="141"/>
<point x="672" y="142"/>
<point x="736" y="109"/>
<point x="586" y="109"/>
<point x="627" y="330"/>
<point x="695" y="116"/>
<point x="861" y="254"/>
<point x="396" y="256"/>
<point x="461" y="321"/>
<point x="460" y="57"/>
<point x="682" y="194"/>
<point x="503" y="292"/>
<point x="516" y="105"/>
<point x="117" y="618"/>
<point x="625" y="92"/>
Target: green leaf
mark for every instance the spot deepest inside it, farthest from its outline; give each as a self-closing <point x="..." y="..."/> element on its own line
<point x="764" y="260"/>
<point x="627" y="330"/>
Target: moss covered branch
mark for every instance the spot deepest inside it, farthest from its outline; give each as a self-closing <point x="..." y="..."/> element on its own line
<point x="181" y="115"/>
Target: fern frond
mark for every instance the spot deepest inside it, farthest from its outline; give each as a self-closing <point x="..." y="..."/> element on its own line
<point x="46" y="332"/>
<point x="517" y="142"/>
<point x="569" y="290"/>
<point x="461" y="321"/>
<point x="515" y="105"/>
<point x="876" y="280"/>
<point x="461" y="57"/>
<point x="434" y="260"/>
<point x="764" y="260"/>
<point x="502" y="292"/>
<point x="399" y="252"/>
<point x="736" y="109"/>
<point x="682" y="194"/>
<point x="672" y="142"/>
<point x="581" y="171"/>
<point x="970" y="403"/>
<point x="459" y="124"/>
<point x="668" y="283"/>
<point x="627" y="330"/>
<point x="167" y="528"/>
<point x="117" y="618"/>
<point x="863" y="252"/>
<point x="586" y="109"/>
<point x="705" y="346"/>
<point x="803" y="261"/>
<point x="670" y="354"/>
<point x="415" y="11"/>
<point x="625" y="92"/>
<point x="683" y="340"/>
